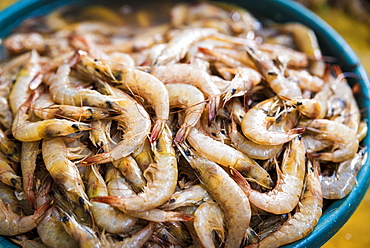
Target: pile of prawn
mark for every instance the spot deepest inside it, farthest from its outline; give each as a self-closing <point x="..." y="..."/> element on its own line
<point x="205" y="130"/>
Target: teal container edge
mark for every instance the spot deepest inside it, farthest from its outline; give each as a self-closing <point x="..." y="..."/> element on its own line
<point x="332" y="44"/>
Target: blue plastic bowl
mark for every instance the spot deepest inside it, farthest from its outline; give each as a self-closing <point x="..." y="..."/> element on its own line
<point x="332" y="44"/>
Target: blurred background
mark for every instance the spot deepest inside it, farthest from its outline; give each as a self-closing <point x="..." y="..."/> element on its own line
<point x="351" y="19"/>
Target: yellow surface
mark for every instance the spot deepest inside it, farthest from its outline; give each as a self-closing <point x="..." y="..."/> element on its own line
<point x="355" y="233"/>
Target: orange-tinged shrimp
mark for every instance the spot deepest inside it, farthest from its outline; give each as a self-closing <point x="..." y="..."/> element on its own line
<point x="135" y="81"/>
<point x="192" y="100"/>
<point x="229" y="157"/>
<point x="306" y="216"/>
<point x="285" y="196"/>
<point x="7" y="173"/>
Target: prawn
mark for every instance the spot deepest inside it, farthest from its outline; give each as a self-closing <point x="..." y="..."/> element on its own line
<point x="161" y="179"/>
<point x="192" y="100"/>
<point x="209" y="217"/>
<point x="285" y="196"/>
<point x="63" y="171"/>
<point x="134" y="80"/>
<point x="7" y="173"/>
<point x="189" y="74"/>
<point x="177" y="47"/>
<point x="26" y="131"/>
<point x="346" y="142"/>
<point x="187" y="196"/>
<point x="228" y="157"/>
<point x="245" y="79"/>
<point x="118" y="189"/>
<point x="106" y="217"/>
<point x="342" y="181"/>
<point x="250" y="148"/>
<point x="136" y="123"/>
<point x="21" y="91"/>
<point x="217" y="182"/>
<point x="306" y="216"/>
<point x="13" y="224"/>
<point x="255" y="125"/>
<point x="8" y="147"/>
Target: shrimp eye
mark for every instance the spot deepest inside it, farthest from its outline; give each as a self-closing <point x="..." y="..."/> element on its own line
<point x="65" y="219"/>
<point x="164" y="236"/>
<point x="109" y="104"/>
<point x="75" y="126"/>
<point x="272" y="73"/>
<point x="233" y="90"/>
<point x="187" y="152"/>
<point x="81" y="200"/>
<point x="97" y="70"/>
<point x="299" y="137"/>
<point x="95" y="60"/>
<point x="311" y="169"/>
<point x="172" y="200"/>
<point x="13" y="181"/>
<point x="299" y="103"/>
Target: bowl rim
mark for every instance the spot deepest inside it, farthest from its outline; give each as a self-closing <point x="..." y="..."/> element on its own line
<point x="341" y="210"/>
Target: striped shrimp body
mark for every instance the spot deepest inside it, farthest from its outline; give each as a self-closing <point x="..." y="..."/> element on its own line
<point x="234" y="203"/>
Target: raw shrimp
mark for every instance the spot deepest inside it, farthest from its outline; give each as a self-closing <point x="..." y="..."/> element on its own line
<point x="285" y="196"/>
<point x="8" y="147"/>
<point x="13" y="224"/>
<point x="234" y="203"/>
<point x="135" y="81"/>
<point x="274" y="75"/>
<point x="161" y="179"/>
<point x="21" y="42"/>
<point x="346" y="142"/>
<point x="306" y="216"/>
<point x="306" y="41"/>
<point x="229" y="157"/>
<point x="6" y="115"/>
<point x="187" y="196"/>
<point x="136" y="124"/>
<point x="208" y="218"/>
<point x="245" y="79"/>
<point x="255" y="125"/>
<point x="100" y="132"/>
<point x="84" y="235"/>
<point x="313" y="144"/>
<point x="29" y="153"/>
<point x="343" y="179"/>
<point x="21" y="92"/>
<point x="27" y="131"/>
<point x="311" y="108"/>
<point x="137" y="240"/>
<point x="252" y="149"/>
<point x="177" y="47"/>
<point x="192" y="100"/>
<point x="7" y="173"/>
<point x="118" y="189"/>
<point x="63" y="171"/>
<point x="184" y="73"/>
<point x="45" y="108"/>
<point x="305" y="80"/>
<point x="236" y="110"/>
<point x="106" y="217"/>
<point x="144" y="155"/>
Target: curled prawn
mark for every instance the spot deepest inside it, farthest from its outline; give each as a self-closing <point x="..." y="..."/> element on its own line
<point x="255" y="125"/>
<point x="189" y="98"/>
<point x="285" y="196"/>
<point x="306" y="216"/>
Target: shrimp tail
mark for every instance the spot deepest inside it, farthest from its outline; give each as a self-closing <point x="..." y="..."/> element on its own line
<point x="39" y="213"/>
<point x="182" y="133"/>
<point x="100" y="158"/>
<point x="212" y="108"/>
<point x="298" y="130"/>
<point x="114" y="201"/>
<point x="239" y="179"/>
<point x="180" y="216"/>
<point x="157" y="129"/>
